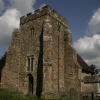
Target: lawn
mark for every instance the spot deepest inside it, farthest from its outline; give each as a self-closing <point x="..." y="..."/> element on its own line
<point x="12" y="95"/>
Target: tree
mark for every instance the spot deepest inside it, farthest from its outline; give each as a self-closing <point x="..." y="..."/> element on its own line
<point x="95" y="70"/>
<point x="2" y="63"/>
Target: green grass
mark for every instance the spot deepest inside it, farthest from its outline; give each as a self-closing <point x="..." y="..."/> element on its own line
<point x="12" y="95"/>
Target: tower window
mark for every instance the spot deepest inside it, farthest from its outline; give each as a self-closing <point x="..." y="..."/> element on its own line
<point x="32" y="31"/>
<point x="59" y="27"/>
<point x="65" y="37"/>
<point x="30" y="63"/>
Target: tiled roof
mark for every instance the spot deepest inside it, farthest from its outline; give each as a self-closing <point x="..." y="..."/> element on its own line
<point x="83" y="64"/>
<point x="91" y="79"/>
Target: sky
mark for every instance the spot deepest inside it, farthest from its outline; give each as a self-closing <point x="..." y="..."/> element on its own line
<point x="83" y="20"/>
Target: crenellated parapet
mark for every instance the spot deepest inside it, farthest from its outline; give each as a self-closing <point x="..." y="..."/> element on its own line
<point x="41" y="12"/>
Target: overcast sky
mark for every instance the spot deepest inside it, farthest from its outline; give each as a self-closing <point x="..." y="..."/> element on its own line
<point x="83" y="20"/>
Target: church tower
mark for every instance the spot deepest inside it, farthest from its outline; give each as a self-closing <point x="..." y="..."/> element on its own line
<point x="46" y="64"/>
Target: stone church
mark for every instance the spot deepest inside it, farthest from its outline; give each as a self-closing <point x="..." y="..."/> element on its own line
<point x="41" y="59"/>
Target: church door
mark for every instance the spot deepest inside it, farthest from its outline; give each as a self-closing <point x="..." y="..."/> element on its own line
<point x="30" y="84"/>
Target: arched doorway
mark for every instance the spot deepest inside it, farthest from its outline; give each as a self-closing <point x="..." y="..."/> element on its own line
<point x="30" y="84"/>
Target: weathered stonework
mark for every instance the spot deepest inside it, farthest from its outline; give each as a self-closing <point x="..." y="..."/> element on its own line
<point x="43" y="42"/>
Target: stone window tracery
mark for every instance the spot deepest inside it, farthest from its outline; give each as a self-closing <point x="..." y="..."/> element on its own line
<point x="30" y="63"/>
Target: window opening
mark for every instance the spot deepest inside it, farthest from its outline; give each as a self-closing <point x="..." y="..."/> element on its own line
<point x="30" y="64"/>
<point x="32" y="31"/>
<point x="59" y="27"/>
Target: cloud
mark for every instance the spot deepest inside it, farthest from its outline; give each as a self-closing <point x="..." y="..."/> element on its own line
<point x="24" y="6"/>
<point x="94" y="23"/>
<point x="89" y="49"/>
<point x="8" y="21"/>
<point x="1" y="5"/>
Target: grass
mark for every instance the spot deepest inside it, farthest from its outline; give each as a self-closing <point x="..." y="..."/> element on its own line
<point x="12" y="95"/>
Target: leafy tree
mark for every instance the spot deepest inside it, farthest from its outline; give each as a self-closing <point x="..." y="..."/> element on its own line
<point x="95" y="70"/>
<point x="2" y="63"/>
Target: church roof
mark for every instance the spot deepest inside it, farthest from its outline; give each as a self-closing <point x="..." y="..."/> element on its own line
<point x="91" y="79"/>
<point x="83" y="64"/>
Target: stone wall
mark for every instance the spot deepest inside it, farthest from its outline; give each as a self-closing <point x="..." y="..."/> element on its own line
<point x="88" y="86"/>
<point x="54" y="54"/>
<point x="10" y="73"/>
<point x="72" y="68"/>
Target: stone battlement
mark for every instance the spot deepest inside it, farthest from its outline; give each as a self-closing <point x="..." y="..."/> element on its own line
<point x="41" y="12"/>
